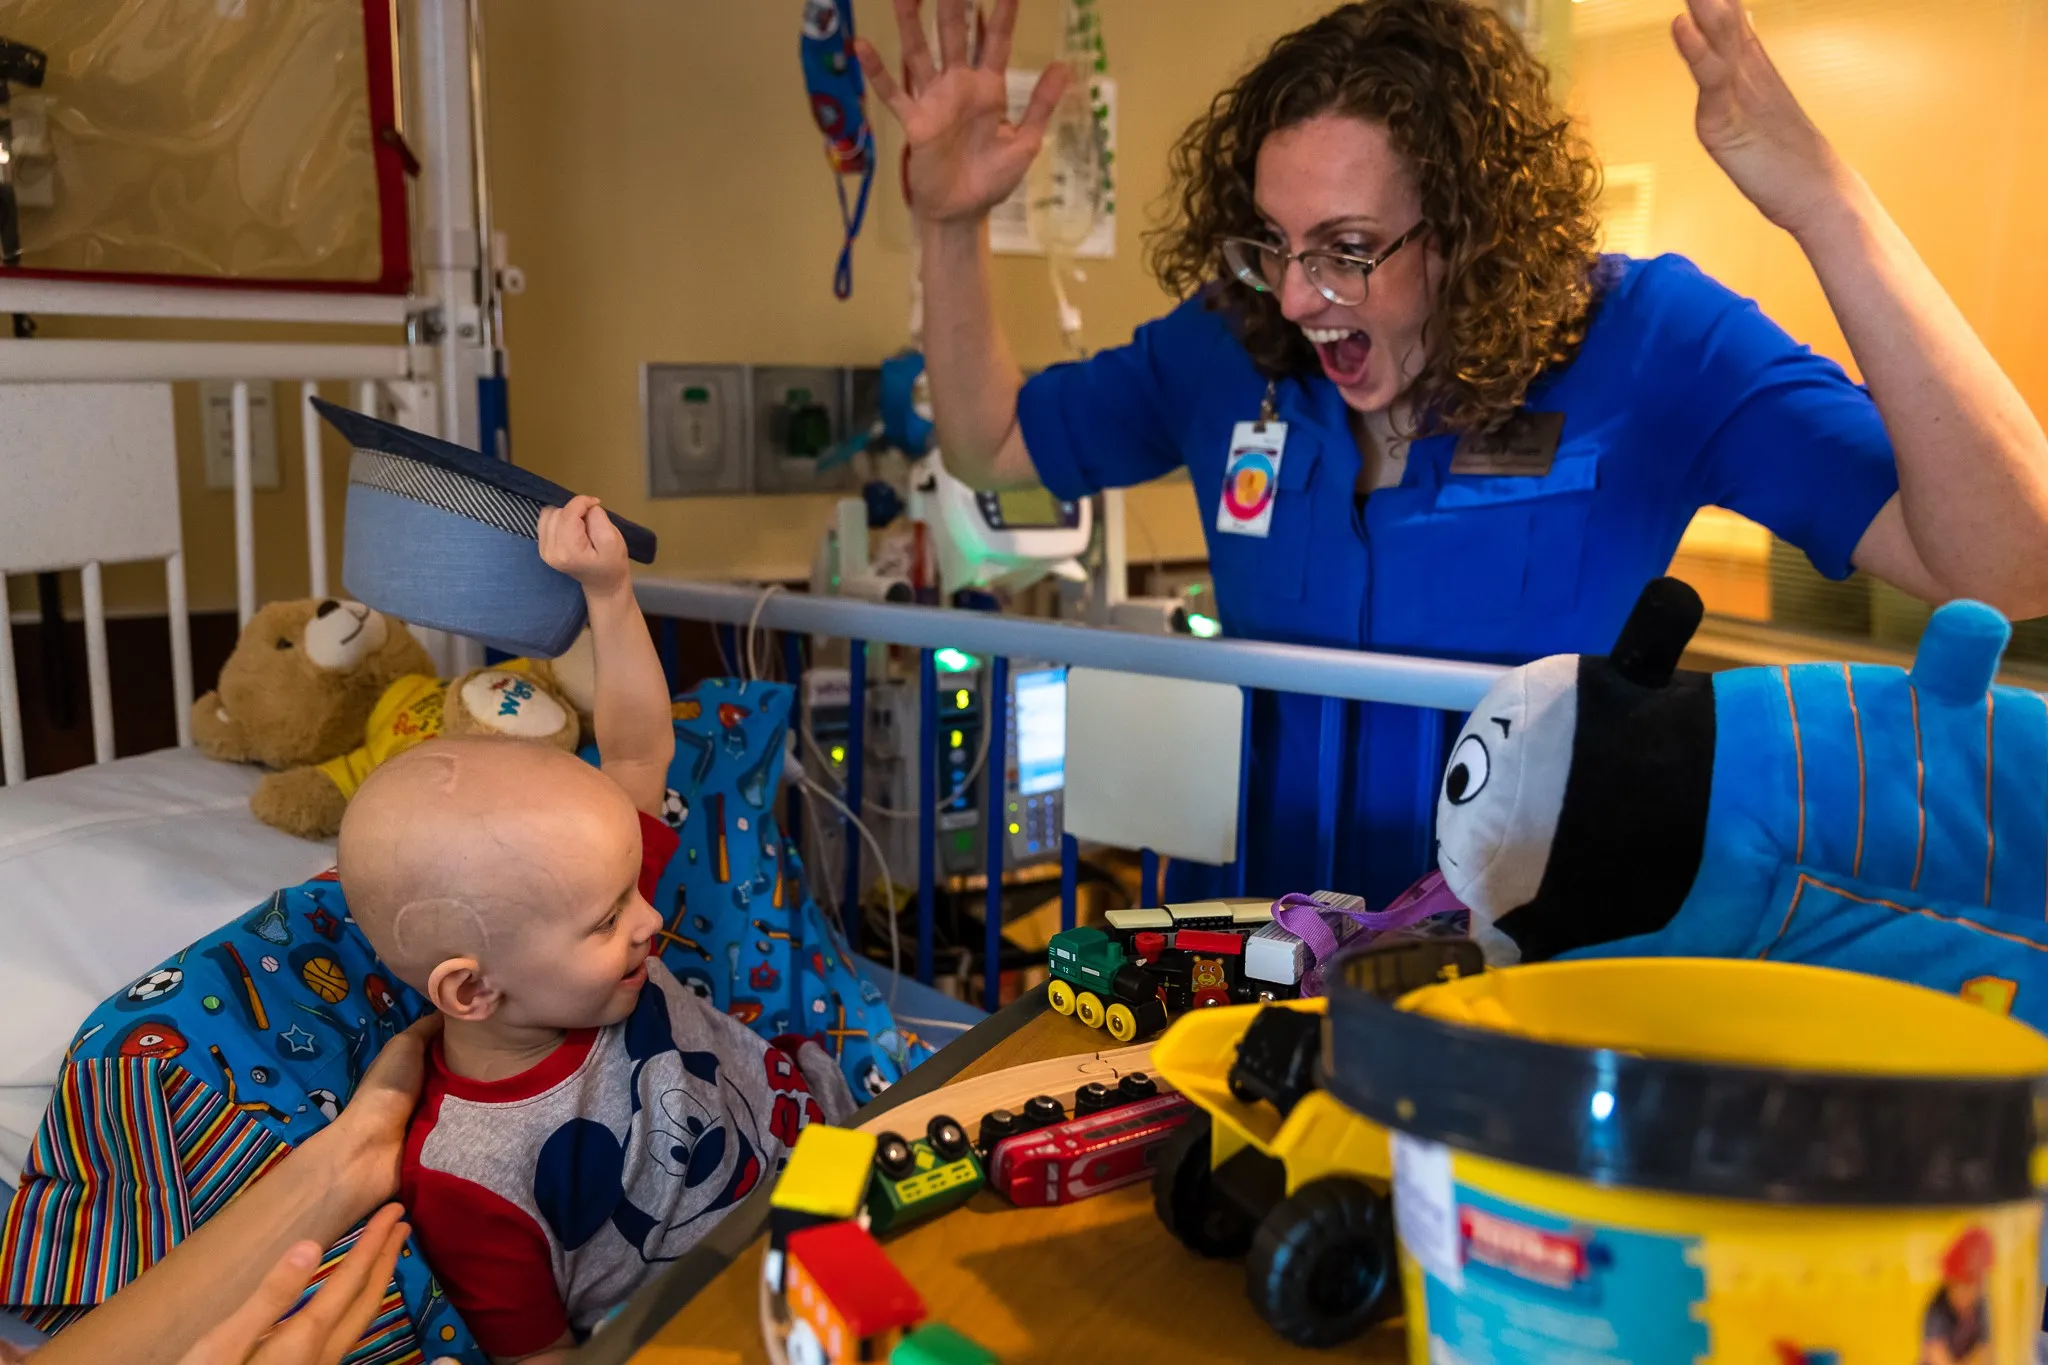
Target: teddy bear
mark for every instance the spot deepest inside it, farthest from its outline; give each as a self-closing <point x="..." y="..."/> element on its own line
<point x="321" y="690"/>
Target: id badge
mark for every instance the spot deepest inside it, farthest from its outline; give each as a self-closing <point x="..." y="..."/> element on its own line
<point x="1251" y="477"/>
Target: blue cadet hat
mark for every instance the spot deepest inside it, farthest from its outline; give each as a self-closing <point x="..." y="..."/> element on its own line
<point x="444" y="537"/>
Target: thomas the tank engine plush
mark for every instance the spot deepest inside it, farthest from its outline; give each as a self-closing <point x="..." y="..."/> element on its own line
<point x="1879" y="819"/>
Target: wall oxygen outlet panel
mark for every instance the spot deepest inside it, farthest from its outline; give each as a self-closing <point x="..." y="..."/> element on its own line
<point x="735" y="429"/>
<point x="699" y="430"/>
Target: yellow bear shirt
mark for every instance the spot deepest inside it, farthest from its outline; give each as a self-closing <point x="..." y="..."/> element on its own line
<point x="411" y="712"/>
<point x="408" y="713"/>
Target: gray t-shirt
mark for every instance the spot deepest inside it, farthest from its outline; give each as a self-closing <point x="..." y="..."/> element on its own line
<point x="544" y="1200"/>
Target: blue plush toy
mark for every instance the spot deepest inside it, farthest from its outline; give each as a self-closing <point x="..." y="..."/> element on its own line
<point x="1878" y="819"/>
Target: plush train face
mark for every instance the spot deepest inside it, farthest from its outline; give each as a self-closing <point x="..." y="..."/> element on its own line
<point x="1573" y="809"/>
<point x="1496" y="815"/>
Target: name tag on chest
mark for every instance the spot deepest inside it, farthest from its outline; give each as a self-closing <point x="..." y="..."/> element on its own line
<point x="1526" y="446"/>
<point x="1251" y="478"/>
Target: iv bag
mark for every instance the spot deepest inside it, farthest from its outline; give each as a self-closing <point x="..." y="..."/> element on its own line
<point x="1067" y="192"/>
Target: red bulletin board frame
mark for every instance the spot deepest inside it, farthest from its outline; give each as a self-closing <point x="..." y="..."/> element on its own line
<point x="394" y="232"/>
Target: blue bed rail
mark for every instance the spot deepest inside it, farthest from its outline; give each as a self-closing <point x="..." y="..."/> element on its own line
<point x="1334" y="674"/>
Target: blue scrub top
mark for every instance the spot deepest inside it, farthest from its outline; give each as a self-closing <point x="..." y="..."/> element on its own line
<point x="1684" y="395"/>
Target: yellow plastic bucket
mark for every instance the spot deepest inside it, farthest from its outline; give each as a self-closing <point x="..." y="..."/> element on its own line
<point x="1653" y="1161"/>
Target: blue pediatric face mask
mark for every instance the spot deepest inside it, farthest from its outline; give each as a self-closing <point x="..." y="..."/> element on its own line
<point x="832" y="78"/>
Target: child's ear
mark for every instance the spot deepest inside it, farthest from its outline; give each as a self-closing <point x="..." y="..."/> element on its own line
<point x="458" y="990"/>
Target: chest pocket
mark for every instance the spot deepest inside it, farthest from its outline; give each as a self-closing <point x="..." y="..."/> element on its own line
<point x="1503" y="545"/>
<point x="1251" y="571"/>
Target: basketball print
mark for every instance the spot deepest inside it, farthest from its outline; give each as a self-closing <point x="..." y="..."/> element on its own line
<point x="324" y="977"/>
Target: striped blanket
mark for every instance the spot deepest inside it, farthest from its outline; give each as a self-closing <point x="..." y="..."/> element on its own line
<point x="190" y="1084"/>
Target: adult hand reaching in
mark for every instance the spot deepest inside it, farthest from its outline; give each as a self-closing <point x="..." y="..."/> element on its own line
<point x="216" y="1297"/>
<point x="965" y="154"/>
<point x="375" y="1117"/>
<point x="1749" y="121"/>
<point x="330" y="1324"/>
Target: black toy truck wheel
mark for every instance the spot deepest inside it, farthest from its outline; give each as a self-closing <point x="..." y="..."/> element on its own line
<point x="1186" y="1199"/>
<point x="1322" y="1263"/>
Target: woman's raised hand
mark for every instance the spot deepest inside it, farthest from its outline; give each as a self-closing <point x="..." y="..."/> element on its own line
<point x="965" y="154"/>
<point x="1749" y="121"/>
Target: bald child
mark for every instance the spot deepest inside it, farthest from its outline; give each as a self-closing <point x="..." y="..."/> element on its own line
<point x="585" y="1118"/>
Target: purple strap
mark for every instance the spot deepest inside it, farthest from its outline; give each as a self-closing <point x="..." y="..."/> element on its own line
<point x="1303" y="915"/>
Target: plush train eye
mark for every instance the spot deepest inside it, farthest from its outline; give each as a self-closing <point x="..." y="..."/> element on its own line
<point x="1470" y="767"/>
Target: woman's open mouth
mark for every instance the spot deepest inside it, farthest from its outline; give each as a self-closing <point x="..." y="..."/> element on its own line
<point x="1346" y="354"/>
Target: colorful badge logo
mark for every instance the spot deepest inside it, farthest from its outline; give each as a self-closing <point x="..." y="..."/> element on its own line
<point x="1248" y="484"/>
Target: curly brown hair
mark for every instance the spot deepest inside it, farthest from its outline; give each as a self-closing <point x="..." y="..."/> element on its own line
<point x="1508" y="189"/>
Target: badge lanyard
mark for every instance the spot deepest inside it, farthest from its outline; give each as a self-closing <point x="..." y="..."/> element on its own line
<point x="1251" y="473"/>
<point x="833" y="79"/>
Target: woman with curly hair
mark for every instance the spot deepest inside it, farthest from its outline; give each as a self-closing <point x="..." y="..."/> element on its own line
<point x="1480" y="437"/>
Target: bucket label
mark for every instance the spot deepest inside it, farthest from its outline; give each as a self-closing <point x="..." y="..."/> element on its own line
<point x="1426" y="1208"/>
<point x="1507" y="1285"/>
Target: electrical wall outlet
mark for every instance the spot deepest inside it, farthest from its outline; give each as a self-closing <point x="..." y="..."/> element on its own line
<point x="699" y="429"/>
<point x="217" y="408"/>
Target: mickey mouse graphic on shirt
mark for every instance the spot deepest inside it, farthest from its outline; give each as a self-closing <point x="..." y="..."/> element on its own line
<point x="689" y="1121"/>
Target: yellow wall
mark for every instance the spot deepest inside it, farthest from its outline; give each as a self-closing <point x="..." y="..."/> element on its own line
<point x="1943" y="107"/>
<point x="665" y="191"/>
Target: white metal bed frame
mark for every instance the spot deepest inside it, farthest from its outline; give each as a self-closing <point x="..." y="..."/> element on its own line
<point x="455" y="290"/>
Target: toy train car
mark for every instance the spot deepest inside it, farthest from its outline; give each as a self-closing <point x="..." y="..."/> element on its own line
<point x="1040" y="1156"/>
<point x="827" y="1180"/>
<point x="846" y="1301"/>
<point x="916" y="1180"/>
<point x="848" y="1304"/>
<point x="1151" y="965"/>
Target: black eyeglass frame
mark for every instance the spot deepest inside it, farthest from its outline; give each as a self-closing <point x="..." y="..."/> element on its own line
<point x="1247" y="274"/>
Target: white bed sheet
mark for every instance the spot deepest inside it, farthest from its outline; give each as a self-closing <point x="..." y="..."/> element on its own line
<point x="104" y="872"/>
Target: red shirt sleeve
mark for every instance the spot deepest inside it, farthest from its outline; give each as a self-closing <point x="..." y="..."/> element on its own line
<point x="490" y="1258"/>
<point x="658" y="843"/>
<point x="492" y="1263"/>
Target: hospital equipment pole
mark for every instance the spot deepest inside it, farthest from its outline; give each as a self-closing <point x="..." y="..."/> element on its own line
<point x="856" y="782"/>
<point x="927" y="808"/>
<point x="996" y="717"/>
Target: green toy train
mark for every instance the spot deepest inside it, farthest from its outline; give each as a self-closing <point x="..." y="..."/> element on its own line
<point x="1152" y="964"/>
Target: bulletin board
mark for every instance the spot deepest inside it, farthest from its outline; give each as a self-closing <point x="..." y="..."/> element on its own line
<point x="227" y="142"/>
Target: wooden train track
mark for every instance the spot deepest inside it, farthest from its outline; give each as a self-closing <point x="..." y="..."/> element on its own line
<point x="967" y="1101"/>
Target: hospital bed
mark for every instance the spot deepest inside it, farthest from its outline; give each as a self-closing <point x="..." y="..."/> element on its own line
<point x="107" y="869"/>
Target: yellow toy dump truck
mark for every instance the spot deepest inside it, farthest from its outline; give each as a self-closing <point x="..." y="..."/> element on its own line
<point x="1275" y="1169"/>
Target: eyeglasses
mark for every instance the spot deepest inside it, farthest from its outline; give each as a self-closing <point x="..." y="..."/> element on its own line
<point x="1338" y="276"/>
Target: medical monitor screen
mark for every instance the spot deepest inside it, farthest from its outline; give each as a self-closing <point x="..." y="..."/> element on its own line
<point x="1030" y="509"/>
<point x="1041" y="731"/>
